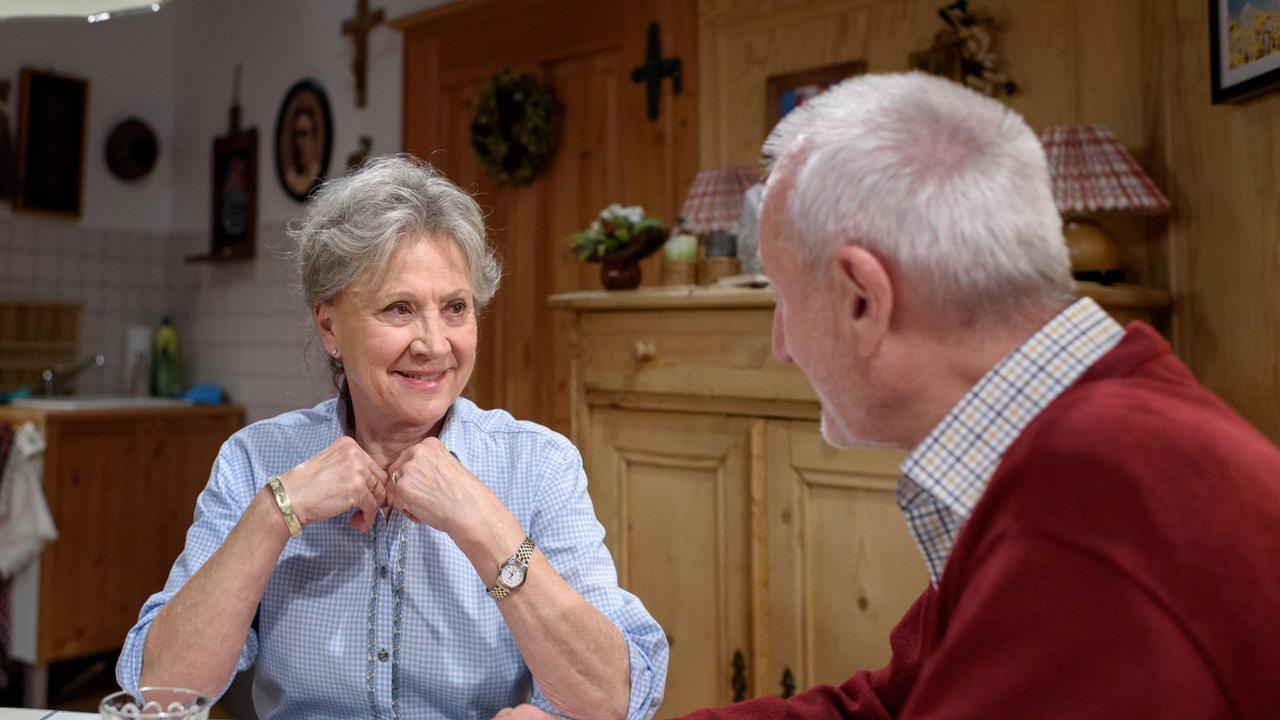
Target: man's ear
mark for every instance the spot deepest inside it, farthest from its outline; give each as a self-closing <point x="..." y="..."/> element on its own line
<point x="864" y="295"/>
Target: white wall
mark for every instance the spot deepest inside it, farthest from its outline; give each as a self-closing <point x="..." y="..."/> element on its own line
<point x="278" y="43"/>
<point x="242" y="324"/>
<point x="129" y="63"/>
<point x="246" y="321"/>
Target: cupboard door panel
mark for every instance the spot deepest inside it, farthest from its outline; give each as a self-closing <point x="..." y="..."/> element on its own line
<point x="121" y="487"/>
<point x="673" y="492"/>
<point x="842" y="565"/>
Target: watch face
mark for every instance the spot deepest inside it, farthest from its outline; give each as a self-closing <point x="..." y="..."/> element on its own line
<point x="511" y="575"/>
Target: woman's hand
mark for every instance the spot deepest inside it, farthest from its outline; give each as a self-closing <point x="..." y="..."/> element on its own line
<point x="523" y="712"/>
<point x="430" y="486"/>
<point x="338" y="478"/>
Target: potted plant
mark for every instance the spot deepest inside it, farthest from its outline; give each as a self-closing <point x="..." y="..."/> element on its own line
<point x="619" y="238"/>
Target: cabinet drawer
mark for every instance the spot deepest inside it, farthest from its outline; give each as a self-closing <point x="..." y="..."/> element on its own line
<point x="712" y="353"/>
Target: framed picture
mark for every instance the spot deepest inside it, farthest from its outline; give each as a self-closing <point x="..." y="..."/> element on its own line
<point x="784" y="93"/>
<point x="304" y="139"/>
<point x="51" y="139"/>
<point x="235" y="192"/>
<point x="1244" y="48"/>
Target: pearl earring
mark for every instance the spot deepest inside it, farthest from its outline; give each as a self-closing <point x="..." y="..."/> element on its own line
<point x="335" y="352"/>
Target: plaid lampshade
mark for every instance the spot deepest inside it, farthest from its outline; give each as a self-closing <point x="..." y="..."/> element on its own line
<point x="715" y="200"/>
<point x="1092" y="171"/>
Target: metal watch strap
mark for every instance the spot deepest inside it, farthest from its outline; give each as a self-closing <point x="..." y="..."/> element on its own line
<point x="523" y="555"/>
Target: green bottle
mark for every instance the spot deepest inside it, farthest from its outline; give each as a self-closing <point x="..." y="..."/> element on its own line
<point x="165" y="366"/>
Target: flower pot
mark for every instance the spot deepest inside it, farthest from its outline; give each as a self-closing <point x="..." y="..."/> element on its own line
<point x="619" y="274"/>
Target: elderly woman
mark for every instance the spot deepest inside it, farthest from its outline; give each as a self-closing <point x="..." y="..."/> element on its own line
<point x="397" y="551"/>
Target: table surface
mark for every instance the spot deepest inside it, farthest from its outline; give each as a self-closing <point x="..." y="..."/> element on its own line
<point x="21" y="714"/>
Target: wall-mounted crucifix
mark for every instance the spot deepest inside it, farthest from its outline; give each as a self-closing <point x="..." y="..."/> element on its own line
<point x="655" y="68"/>
<point x="358" y="28"/>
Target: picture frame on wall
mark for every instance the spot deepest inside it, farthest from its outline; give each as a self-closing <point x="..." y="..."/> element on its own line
<point x="52" y="122"/>
<point x="786" y="92"/>
<point x="235" y="192"/>
<point x="1244" y="49"/>
<point x="304" y="139"/>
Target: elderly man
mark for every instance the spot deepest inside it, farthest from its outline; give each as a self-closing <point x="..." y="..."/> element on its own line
<point x="1101" y="532"/>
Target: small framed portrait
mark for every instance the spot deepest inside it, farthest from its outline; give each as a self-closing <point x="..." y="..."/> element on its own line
<point x="51" y="139"/>
<point x="1244" y="48"/>
<point x="304" y="139"/>
<point x="784" y="93"/>
<point x="235" y="195"/>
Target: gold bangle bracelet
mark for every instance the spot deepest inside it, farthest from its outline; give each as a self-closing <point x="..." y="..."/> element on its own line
<point x="286" y="507"/>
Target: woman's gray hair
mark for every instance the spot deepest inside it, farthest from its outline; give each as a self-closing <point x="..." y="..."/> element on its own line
<point x="352" y="225"/>
<point x="950" y="186"/>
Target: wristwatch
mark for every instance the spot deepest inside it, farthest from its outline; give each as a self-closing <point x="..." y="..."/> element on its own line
<point x="512" y="572"/>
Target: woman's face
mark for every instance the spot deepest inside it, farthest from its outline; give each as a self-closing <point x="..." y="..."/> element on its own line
<point x="408" y="342"/>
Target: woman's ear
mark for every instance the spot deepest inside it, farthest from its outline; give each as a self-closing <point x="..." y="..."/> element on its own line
<point x="864" y="294"/>
<point x="324" y="315"/>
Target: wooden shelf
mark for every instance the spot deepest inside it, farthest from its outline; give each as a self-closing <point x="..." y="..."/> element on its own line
<point x="1118" y="298"/>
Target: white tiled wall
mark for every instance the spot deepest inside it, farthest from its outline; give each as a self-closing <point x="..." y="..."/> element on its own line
<point x="119" y="277"/>
<point x="242" y="325"/>
<point x="248" y="327"/>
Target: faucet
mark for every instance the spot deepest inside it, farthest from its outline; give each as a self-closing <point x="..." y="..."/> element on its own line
<point x="59" y="374"/>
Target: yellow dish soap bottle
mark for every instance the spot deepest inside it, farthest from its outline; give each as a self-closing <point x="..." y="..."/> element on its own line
<point x="166" y="367"/>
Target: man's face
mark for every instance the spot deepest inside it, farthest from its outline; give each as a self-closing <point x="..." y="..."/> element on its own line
<point x="805" y="329"/>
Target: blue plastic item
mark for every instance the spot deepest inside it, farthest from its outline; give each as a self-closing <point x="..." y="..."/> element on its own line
<point x="20" y="393"/>
<point x="204" y="395"/>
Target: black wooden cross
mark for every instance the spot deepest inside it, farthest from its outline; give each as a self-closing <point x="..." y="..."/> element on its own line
<point x="655" y="68"/>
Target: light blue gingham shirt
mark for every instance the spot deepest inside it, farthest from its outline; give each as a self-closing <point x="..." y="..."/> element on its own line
<point x="318" y="653"/>
<point x="944" y="477"/>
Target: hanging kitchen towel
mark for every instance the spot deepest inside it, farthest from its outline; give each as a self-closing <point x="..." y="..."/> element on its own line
<point x="25" y="523"/>
<point x="6" y="623"/>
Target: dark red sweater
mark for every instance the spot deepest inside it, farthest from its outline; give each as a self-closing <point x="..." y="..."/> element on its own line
<point x="1124" y="562"/>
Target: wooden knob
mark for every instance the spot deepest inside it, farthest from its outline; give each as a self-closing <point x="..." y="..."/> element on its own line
<point x="643" y="350"/>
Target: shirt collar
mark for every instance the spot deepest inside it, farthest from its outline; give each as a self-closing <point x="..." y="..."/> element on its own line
<point x="950" y="469"/>
<point x="448" y="430"/>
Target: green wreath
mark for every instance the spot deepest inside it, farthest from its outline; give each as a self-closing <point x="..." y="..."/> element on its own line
<point x="516" y="127"/>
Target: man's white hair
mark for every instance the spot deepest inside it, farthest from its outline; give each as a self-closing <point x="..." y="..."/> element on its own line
<point x="948" y="186"/>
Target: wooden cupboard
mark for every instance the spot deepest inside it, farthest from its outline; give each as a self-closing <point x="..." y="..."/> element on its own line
<point x="769" y="558"/>
<point x="772" y="560"/>
<point x="121" y="485"/>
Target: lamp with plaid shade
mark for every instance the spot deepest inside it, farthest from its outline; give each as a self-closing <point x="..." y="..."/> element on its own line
<point x="1092" y="172"/>
<point x="714" y="202"/>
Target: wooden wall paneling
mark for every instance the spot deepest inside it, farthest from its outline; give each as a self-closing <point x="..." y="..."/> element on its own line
<point x="1225" y="231"/>
<point x="741" y="49"/>
<point x="609" y="152"/>
<point x="526" y="359"/>
<point x="420" y="80"/>
<point x="451" y="152"/>
<point x="660" y="157"/>
<point x="582" y="184"/>
<point x="1141" y="68"/>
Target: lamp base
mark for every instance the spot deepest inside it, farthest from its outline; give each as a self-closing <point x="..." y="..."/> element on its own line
<point x="1094" y="253"/>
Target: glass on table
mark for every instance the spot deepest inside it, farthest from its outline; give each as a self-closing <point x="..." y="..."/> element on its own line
<point x="155" y="703"/>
